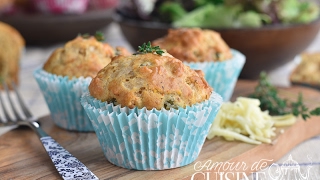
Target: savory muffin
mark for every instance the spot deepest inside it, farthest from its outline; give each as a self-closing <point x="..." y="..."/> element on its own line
<point x="151" y="81"/>
<point x="308" y="70"/>
<point x="150" y="111"/>
<point x="205" y="50"/>
<point x="194" y="45"/>
<point x="81" y="57"/>
<point x="66" y="75"/>
<point x="11" y="47"/>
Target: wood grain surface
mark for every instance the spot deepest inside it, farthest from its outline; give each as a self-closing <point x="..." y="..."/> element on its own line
<point x="23" y="157"/>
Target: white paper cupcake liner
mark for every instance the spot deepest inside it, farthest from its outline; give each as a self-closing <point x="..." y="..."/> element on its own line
<point x="222" y="76"/>
<point x="63" y="99"/>
<point x="151" y="139"/>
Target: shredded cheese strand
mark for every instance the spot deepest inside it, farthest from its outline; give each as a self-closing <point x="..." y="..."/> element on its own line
<point x="243" y="120"/>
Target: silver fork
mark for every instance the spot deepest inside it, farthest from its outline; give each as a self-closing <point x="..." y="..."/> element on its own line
<point x="68" y="166"/>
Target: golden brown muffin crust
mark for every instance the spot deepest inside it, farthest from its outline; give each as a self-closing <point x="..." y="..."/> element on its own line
<point x="11" y="47"/>
<point x="308" y="71"/>
<point x="194" y="45"/>
<point x="81" y="57"/>
<point x="151" y="81"/>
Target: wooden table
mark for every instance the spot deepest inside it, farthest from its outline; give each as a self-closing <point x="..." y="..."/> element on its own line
<point x="23" y="157"/>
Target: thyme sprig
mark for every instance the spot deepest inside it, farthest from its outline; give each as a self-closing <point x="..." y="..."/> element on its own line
<point x="271" y="101"/>
<point x="147" y="48"/>
<point x="98" y="35"/>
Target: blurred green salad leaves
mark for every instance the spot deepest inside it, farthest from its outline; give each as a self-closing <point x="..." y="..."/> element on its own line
<point x="173" y="10"/>
<point x="216" y="16"/>
<point x="235" y="13"/>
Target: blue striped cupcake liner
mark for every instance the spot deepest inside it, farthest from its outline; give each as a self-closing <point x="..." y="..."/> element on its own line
<point x="222" y="76"/>
<point x="63" y="99"/>
<point x="144" y="139"/>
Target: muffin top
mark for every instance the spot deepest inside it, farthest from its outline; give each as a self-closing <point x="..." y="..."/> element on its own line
<point x="11" y="47"/>
<point x="11" y="38"/>
<point x="82" y="56"/>
<point x="194" y="45"/>
<point x="149" y="80"/>
<point x="308" y="70"/>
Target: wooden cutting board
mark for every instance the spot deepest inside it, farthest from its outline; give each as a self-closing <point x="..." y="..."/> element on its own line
<point x="23" y="157"/>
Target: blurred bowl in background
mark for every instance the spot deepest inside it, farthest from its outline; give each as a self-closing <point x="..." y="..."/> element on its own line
<point x="265" y="48"/>
<point x="45" y="29"/>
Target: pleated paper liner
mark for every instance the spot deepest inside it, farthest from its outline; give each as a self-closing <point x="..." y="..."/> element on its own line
<point x="222" y="76"/>
<point x="63" y="99"/>
<point x="151" y="139"/>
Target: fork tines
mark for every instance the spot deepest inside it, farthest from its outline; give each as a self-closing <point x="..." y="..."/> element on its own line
<point x="14" y="112"/>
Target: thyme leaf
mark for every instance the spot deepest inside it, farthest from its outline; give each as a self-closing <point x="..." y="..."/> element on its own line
<point x="98" y="35"/>
<point x="85" y="36"/>
<point x="147" y="48"/>
<point x="271" y="101"/>
<point x="315" y="112"/>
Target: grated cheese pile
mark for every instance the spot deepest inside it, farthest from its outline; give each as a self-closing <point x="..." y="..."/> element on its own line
<point x="243" y="120"/>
